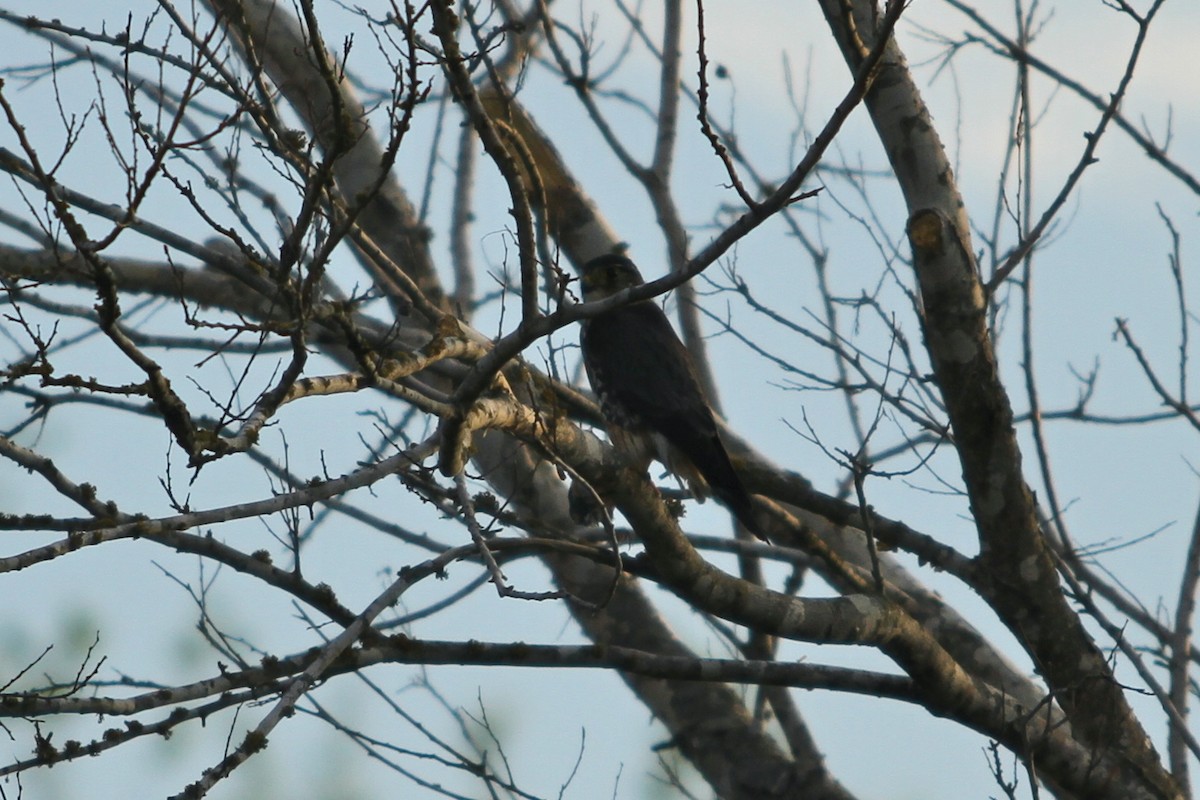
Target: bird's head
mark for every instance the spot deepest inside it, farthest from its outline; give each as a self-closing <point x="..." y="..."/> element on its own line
<point x="605" y="276"/>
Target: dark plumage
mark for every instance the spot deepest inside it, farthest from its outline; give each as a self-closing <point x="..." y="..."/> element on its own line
<point x="649" y="392"/>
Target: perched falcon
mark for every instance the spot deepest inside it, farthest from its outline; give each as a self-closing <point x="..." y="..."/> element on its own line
<point x="649" y="392"/>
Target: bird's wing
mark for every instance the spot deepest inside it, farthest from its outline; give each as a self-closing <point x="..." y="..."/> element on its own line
<point x="642" y="371"/>
<point x="635" y="360"/>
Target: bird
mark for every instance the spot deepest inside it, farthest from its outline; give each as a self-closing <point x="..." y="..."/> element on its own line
<point x="650" y="396"/>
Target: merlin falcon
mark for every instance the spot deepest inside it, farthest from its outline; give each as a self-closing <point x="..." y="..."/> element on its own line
<point x="649" y="393"/>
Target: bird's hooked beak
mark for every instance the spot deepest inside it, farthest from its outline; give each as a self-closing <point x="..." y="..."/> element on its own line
<point x="587" y="280"/>
<point x="594" y="281"/>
